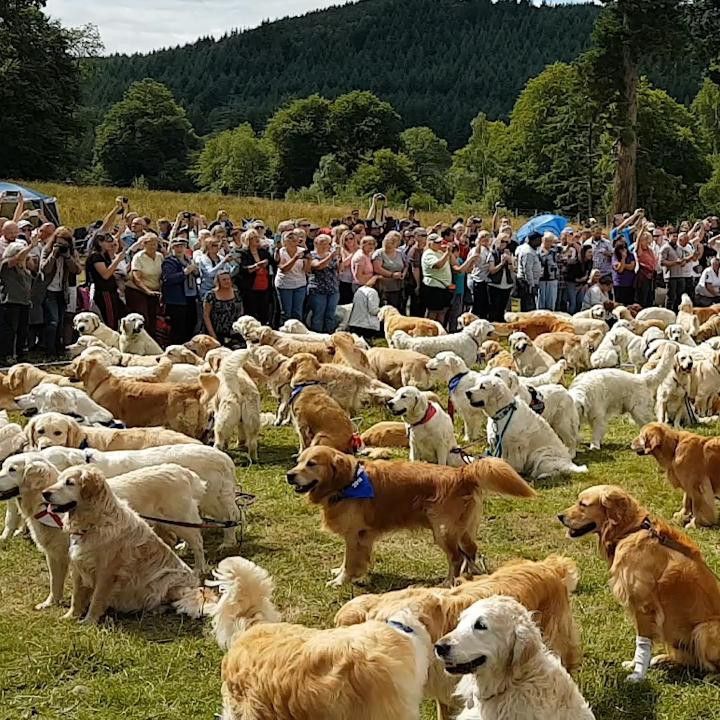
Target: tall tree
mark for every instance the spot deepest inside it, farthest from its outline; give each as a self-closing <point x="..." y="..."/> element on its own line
<point x="620" y="44"/>
<point x="706" y="108"/>
<point x="146" y="134"/>
<point x="431" y="160"/>
<point x="39" y="90"/>
<point x="301" y="136"/>
<point x="387" y="172"/>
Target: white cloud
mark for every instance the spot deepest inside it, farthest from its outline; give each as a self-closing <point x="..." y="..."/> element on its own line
<point x="143" y="25"/>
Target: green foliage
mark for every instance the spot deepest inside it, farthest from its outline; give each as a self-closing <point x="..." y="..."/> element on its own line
<point x="146" y="133"/>
<point x="387" y="172"/>
<point x="361" y="123"/>
<point x="706" y="108"/>
<point x="331" y="176"/>
<point x="423" y="201"/>
<point x="39" y="91"/>
<point x="431" y="161"/>
<point x="710" y="192"/>
<point x="236" y="161"/>
<point x="300" y="134"/>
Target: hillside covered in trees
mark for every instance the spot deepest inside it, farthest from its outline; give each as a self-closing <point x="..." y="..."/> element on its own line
<point x="439" y="62"/>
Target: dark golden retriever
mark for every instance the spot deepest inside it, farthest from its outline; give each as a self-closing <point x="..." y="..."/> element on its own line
<point x="658" y="574"/>
<point x="363" y="501"/>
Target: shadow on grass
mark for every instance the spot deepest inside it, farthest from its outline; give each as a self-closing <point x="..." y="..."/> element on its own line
<point x="160" y="627"/>
<point x="682" y="675"/>
<point x="625" y="700"/>
<point x="386" y="582"/>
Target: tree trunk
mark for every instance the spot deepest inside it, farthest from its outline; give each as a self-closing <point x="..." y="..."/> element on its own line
<point x="625" y="183"/>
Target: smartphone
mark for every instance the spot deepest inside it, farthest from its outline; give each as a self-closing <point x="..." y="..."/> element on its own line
<point x="12" y="193"/>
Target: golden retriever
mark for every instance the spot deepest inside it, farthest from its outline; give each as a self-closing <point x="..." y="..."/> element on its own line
<point x="348" y="353"/>
<point x="393" y="321"/>
<point x="386" y="434"/>
<point x="54" y="429"/>
<point x="709" y="329"/>
<point x="278" y="671"/>
<point x="362" y="501"/>
<point x="320" y="420"/>
<point x="324" y="352"/>
<point x="535" y="326"/>
<point x="543" y="587"/>
<point x="20" y="379"/>
<point x="202" y="344"/>
<point x="177" y="406"/>
<point x="117" y="561"/>
<point x="494" y="355"/>
<point x="398" y="368"/>
<point x="575" y="349"/>
<point x="691" y="464"/>
<point x="658" y="574"/>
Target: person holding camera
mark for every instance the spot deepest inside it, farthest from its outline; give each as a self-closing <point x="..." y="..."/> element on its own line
<point x="323" y="285"/>
<point x="481" y="257"/>
<point x="254" y="278"/>
<point x="501" y="277"/>
<point x="104" y="258"/>
<point x="437" y="277"/>
<point x="58" y="261"/>
<point x="389" y="265"/>
<point x="291" y="277"/>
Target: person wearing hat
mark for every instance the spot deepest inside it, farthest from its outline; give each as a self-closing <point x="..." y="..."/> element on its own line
<point x="15" y="300"/>
<point x="179" y="291"/>
<point x="437" y="277"/>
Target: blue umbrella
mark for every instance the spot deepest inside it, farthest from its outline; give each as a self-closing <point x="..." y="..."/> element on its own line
<point x="541" y="224"/>
<point x="33" y="198"/>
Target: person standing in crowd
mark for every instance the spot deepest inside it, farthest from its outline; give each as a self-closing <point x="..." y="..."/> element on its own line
<point x="253" y="278"/>
<point x="645" y="270"/>
<point x="707" y="292"/>
<point x="623" y="272"/>
<point x="291" y="277"/>
<point x="348" y="247"/>
<point x="15" y="300"/>
<point x="136" y="230"/>
<point x="481" y="257"/>
<point x="209" y="263"/>
<point x="323" y="285"/>
<point x="672" y="258"/>
<point x="100" y="272"/>
<point x="693" y="253"/>
<point x="529" y="271"/>
<point x="437" y="277"/>
<point x="575" y="275"/>
<point x="363" y="318"/>
<point x="460" y="269"/>
<point x="548" y="285"/>
<point x="179" y="291"/>
<point x="142" y="289"/>
<point x="221" y="308"/>
<point x="414" y="286"/>
<point x="388" y="265"/>
<point x="602" y="250"/>
<point x="362" y="266"/>
<point x="58" y="261"/>
<point x="501" y="277"/>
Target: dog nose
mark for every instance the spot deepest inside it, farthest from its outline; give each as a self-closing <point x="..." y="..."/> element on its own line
<point x="468" y="394"/>
<point x="442" y="649"/>
<point x="561" y="518"/>
<point x="290" y="477"/>
<point x="47" y="496"/>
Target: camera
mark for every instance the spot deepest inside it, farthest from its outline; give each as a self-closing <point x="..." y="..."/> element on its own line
<point x="63" y="248"/>
<point x="187" y="215"/>
<point x="125" y="201"/>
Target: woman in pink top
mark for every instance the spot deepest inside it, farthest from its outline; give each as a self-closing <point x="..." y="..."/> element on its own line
<point x="362" y="266"/>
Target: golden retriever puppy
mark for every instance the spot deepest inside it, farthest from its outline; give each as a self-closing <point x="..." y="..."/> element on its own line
<point x="21" y="378"/>
<point x="575" y="349"/>
<point x="200" y="345"/>
<point x="400" y="367"/>
<point x="535" y="326"/>
<point x="347" y="352"/>
<point x="543" y="587"/>
<point x="386" y="434"/>
<point x="117" y="561"/>
<point x="393" y="321"/>
<point x="657" y="574"/>
<point x="176" y="406"/>
<point x="54" y="429"/>
<point x="360" y="502"/>
<point x="278" y="671"/>
<point x="493" y="354"/>
<point x="350" y="388"/>
<point x="287" y="346"/>
<point x="320" y="420"/>
<point x="508" y="673"/>
<point x="691" y="464"/>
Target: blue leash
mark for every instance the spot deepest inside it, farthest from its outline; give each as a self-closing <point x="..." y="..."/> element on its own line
<point x="507" y="412"/>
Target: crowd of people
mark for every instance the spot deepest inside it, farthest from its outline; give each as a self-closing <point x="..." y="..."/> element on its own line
<point x="191" y="275"/>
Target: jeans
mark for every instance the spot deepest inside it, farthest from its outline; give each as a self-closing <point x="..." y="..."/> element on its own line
<point x="547" y="296"/>
<point x="291" y="303"/>
<point x="14" y="320"/>
<point x="54" y="316"/>
<point x="575" y="293"/>
<point x="322" y="309"/>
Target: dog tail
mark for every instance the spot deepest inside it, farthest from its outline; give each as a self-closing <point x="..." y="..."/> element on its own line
<point x="495" y="475"/>
<point x="566" y="569"/>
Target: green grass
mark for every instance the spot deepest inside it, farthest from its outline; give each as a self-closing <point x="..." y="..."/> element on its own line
<point x="166" y="667"/>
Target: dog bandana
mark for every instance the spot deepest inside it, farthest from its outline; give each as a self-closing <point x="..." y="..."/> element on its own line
<point x="452" y="387"/>
<point x="360" y="489"/>
<point x="430" y="413"/>
<point x="537" y="404"/>
<point x="299" y="388"/>
<point x="401" y="626"/>
<point x="49" y="518"/>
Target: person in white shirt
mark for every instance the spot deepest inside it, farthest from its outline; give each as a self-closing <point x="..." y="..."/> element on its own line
<point x="707" y="291"/>
<point x="481" y="255"/>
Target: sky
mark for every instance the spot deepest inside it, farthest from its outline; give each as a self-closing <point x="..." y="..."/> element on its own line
<point x="144" y="25"/>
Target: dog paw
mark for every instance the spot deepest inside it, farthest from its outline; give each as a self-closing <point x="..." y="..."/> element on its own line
<point x="682" y="518"/>
<point x="594" y="446"/>
<point x="89" y="620"/>
<point x="634" y="678"/>
<point x="338" y="581"/>
<point x="70" y="615"/>
<point x="5" y="535"/>
<point x="45" y="604"/>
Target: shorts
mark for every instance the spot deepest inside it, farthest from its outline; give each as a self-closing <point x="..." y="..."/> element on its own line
<point x="437" y="299"/>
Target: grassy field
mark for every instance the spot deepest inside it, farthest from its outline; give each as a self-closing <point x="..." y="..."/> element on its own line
<point x="167" y="668"/>
<point x="82" y="205"/>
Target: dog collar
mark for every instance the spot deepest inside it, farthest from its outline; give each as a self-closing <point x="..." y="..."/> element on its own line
<point x="84" y="445"/>
<point x="299" y="388"/>
<point x="114" y="425"/>
<point x="504" y="412"/>
<point x="49" y="518"/>
<point x="430" y="413"/>
<point x="361" y="488"/>
<point x="455" y="381"/>
<point x="537" y="403"/>
<point x="88" y="456"/>
<point x="401" y="626"/>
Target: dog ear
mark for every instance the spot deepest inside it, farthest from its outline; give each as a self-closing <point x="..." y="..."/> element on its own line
<point x="617" y="504"/>
<point x="215" y="361"/>
<point x="652" y="439"/>
<point x="342" y="469"/>
<point x="75" y="433"/>
<point x="92" y="482"/>
<point x="30" y="433"/>
<point x="527" y="641"/>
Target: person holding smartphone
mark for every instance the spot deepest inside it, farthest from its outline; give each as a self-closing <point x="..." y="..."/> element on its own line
<point x="324" y="285"/>
<point x="291" y="277"/>
<point x="253" y="278"/>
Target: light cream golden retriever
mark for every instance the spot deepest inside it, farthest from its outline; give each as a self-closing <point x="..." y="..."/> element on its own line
<point x="54" y="429"/>
<point x="20" y="379"/>
<point x="508" y="673"/>
<point x="278" y="671"/>
<point x="287" y="346"/>
<point x="658" y="574"/>
<point x="393" y="321"/>
<point x="134" y="338"/>
<point x="360" y="502"/>
<point x="200" y="345"/>
<point x="398" y="368"/>
<point x="117" y="561"/>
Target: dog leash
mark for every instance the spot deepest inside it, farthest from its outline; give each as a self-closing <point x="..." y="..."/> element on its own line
<point x="507" y="412"/>
<point x="242" y="500"/>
